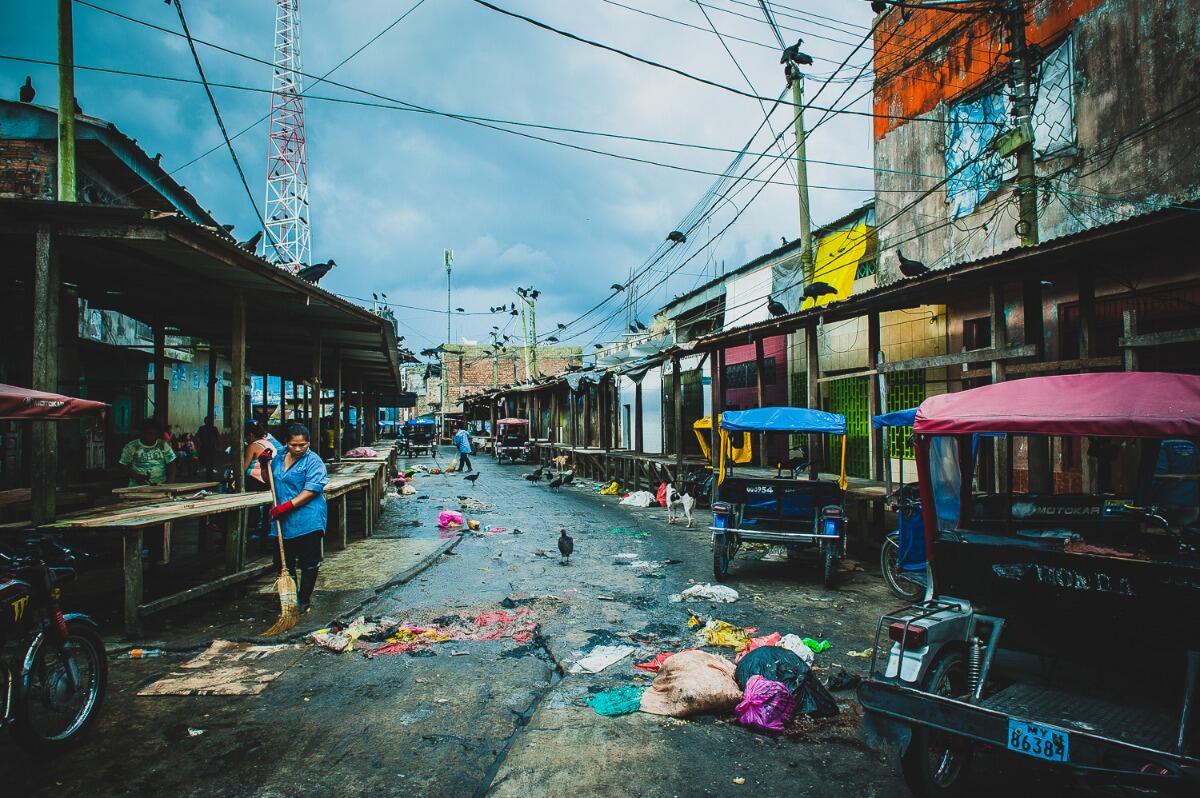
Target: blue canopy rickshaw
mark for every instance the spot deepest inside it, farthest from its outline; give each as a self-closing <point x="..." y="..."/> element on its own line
<point x="902" y="555"/>
<point x="418" y="436"/>
<point x="800" y="514"/>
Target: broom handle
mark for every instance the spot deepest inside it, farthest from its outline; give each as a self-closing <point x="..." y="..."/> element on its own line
<point x="278" y="524"/>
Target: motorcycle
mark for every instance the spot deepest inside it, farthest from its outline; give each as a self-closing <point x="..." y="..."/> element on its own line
<point x="53" y="667"/>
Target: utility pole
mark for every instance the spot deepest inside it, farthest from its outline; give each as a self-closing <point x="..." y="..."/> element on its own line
<point x="66" y="103"/>
<point x="792" y="61"/>
<point x="1022" y="135"/>
<point x="529" y="298"/>
<point x="533" y="330"/>
<point x="448" y="257"/>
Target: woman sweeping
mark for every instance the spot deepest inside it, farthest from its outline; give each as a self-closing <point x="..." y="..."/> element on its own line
<point x="299" y="478"/>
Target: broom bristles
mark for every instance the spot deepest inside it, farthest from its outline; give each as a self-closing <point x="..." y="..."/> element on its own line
<point x="289" y="614"/>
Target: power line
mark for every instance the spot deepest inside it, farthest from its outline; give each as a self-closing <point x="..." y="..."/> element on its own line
<point x="221" y="124"/>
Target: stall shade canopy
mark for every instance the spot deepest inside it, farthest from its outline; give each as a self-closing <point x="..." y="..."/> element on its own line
<point x="783" y="419"/>
<point x="25" y="403"/>
<point x="896" y="418"/>
<point x="1122" y="404"/>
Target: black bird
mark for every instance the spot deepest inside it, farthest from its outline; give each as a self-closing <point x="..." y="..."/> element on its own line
<point x="556" y="483"/>
<point x="633" y="328"/>
<point x="676" y="236"/>
<point x="818" y="289"/>
<point x="568" y="478"/>
<point x="459" y="310"/>
<point x="251" y="243"/>
<point x="566" y="546"/>
<point x="911" y="268"/>
<point x="792" y="54"/>
<point x="471" y="478"/>
<point x="158" y="159"/>
<point x="314" y="273"/>
<point x="534" y="295"/>
<point x="514" y="313"/>
<point x="617" y="287"/>
<point x="534" y="477"/>
<point x="641" y="327"/>
<point x="27" y="92"/>
<point x="228" y="228"/>
<point x="375" y="296"/>
<point x="776" y="308"/>
<point x="598" y="346"/>
<point x="514" y="306"/>
<point x="562" y="326"/>
<point x="551" y="340"/>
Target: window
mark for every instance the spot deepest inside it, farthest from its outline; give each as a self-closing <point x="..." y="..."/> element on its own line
<point x="866" y="267"/>
<point x="745" y="375"/>
<point x="977" y="333"/>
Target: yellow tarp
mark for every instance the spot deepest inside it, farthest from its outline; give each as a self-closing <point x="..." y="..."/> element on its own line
<point x="739" y="454"/>
<point x="836" y="261"/>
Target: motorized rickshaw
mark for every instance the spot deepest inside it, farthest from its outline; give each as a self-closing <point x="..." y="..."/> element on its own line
<point x="418" y="436"/>
<point x="802" y="514"/>
<point x="1060" y="625"/>
<point x="902" y="555"/>
<point x="512" y="440"/>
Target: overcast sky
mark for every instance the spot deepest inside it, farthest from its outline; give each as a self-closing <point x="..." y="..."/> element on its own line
<point x="389" y="189"/>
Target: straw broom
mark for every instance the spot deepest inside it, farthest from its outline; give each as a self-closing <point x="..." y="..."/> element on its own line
<point x="289" y="612"/>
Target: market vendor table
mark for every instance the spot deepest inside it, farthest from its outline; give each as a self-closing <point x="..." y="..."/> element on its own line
<point x="17" y="499"/>
<point x="131" y="522"/>
<point x="164" y="491"/>
<point x="341" y="484"/>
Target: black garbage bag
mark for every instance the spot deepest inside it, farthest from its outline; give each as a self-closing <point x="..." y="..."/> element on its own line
<point x="780" y="665"/>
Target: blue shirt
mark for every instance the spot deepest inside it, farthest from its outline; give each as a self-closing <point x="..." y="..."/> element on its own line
<point x="463" y="441"/>
<point x="307" y="473"/>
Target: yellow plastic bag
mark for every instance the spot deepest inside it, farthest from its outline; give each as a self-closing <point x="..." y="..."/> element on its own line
<point x="725" y="634"/>
<point x="610" y="489"/>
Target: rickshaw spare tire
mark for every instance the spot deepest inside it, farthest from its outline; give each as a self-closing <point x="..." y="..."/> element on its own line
<point x="936" y="764"/>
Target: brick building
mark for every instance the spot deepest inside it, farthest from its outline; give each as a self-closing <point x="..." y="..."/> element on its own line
<point x="472" y="369"/>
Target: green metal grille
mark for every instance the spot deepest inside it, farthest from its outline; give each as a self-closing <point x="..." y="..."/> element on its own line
<point x="905" y="389"/>
<point x="850" y="397"/>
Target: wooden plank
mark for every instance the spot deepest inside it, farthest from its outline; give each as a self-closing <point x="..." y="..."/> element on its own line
<point x="958" y="358"/>
<point x="164" y="490"/>
<point x="175" y="599"/>
<point x="1074" y="364"/>
<point x="849" y="375"/>
<point x="1144" y="340"/>
<point x="155" y="514"/>
<point x="1129" y="331"/>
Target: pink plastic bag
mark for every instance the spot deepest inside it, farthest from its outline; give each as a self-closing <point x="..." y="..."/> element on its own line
<point x="758" y="642"/>
<point x="448" y="517"/>
<point x="765" y="704"/>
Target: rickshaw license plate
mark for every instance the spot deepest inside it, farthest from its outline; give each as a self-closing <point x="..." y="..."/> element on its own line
<point x="1043" y="742"/>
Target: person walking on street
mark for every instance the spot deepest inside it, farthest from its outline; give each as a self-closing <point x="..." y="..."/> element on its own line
<point x="208" y="439"/>
<point x="299" y="477"/>
<point x="462" y="440"/>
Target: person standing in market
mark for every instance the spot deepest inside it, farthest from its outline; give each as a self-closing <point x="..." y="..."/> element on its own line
<point x="299" y="477"/>
<point x="462" y="439"/>
<point x="208" y="440"/>
<point x="148" y="459"/>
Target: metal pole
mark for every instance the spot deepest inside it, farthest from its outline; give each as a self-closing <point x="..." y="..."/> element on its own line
<point x="66" y="103"/>
<point x="448" y="258"/>
<point x="1027" y="227"/>
<point x="533" y="331"/>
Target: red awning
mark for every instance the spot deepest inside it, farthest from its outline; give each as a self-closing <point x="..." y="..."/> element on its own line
<point x="1121" y="404"/>
<point x="24" y="403"/>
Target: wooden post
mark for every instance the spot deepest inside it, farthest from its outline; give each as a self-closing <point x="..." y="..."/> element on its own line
<point x="639" y="441"/>
<point x="1128" y="330"/>
<point x="234" y="542"/>
<point x="317" y="403"/>
<point x="362" y="420"/>
<point x="999" y="341"/>
<point x="677" y="414"/>
<point x="338" y="409"/>
<point x="760" y="381"/>
<point x="877" y="452"/>
<point x="1041" y="480"/>
<point x="44" y="438"/>
<point x="212" y="381"/>
<point x="552" y="431"/>
<point x="587" y="416"/>
<point x="884" y="407"/>
<point x="813" y="366"/>
<point x="161" y="386"/>
<point x="1087" y="315"/>
<point x="132" y="556"/>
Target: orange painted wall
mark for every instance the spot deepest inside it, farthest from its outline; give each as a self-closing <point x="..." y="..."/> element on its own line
<point x="937" y="55"/>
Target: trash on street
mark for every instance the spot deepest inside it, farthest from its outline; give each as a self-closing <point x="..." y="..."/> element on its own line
<point x="618" y="701"/>
<point x="692" y="683"/>
<point x="705" y="592"/>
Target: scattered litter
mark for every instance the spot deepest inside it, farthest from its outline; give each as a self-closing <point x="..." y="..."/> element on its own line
<point x="843" y="680"/>
<point x="227" y="668"/>
<point x="780" y="665"/>
<point x="864" y="654"/>
<point x="606" y="598"/>
<point x="654" y="664"/>
<point x="641" y="498"/>
<point x="625" y="557"/>
<point x="618" y="700"/>
<point x="475" y="505"/>
<point x="459" y="653"/>
<point x="695" y="620"/>
<point x="610" y="489"/>
<point x="497" y="530"/>
<point x="817" y="646"/>
<point x="600" y="658"/>
<point x="448" y="518"/>
<point x="724" y="634"/>
<point x="740" y="780"/>
<point x="473" y="525"/>
<point x="794" y="644"/>
<point x="144" y="653"/>
<point x="342" y="638"/>
<point x="692" y="683"/>
<point x="765" y="705"/>
<point x="194" y="732"/>
<point x="633" y="533"/>
<point x="706" y="592"/>
<point x="392" y="636"/>
<point x="772" y="639"/>
<point x="361" y="451"/>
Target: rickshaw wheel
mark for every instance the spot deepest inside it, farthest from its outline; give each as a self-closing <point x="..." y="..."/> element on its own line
<point x="936" y="763"/>
<point x="722" y="555"/>
<point x="829" y="563"/>
<point x="889" y="564"/>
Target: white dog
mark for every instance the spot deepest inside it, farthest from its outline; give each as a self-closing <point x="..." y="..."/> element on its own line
<point x="677" y="501"/>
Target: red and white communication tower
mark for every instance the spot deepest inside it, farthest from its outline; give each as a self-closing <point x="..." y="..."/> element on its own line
<point x="287" y="155"/>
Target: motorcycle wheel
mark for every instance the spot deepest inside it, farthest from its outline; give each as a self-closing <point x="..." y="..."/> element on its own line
<point x="50" y="716"/>
<point x="936" y="763"/>
<point x="722" y="556"/>
<point x="829" y="564"/>
<point x="889" y="565"/>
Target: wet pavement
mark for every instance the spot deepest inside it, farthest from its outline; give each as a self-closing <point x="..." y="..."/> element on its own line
<point x="494" y="717"/>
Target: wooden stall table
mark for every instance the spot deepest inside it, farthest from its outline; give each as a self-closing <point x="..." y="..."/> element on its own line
<point x="378" y="467"/>
<point x="17" y="500"/>
<point x="166" y="490"/>
<point x="131" y="522"/>
<point x="337" y="491"/>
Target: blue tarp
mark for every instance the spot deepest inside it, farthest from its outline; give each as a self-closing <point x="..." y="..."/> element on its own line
<point x="783" y="419"/>
<point x="420" y="422"/>
<point x="896" y="418"/>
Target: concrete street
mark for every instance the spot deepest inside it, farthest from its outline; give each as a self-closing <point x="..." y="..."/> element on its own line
<point x="496" y="717"/>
